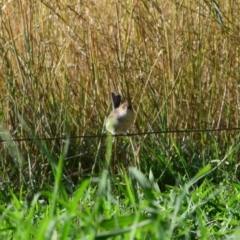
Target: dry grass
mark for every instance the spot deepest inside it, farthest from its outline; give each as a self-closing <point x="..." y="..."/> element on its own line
<point x="178" y="61"/>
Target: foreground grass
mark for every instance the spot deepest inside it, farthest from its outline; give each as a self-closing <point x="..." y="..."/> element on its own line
<point x="131" y="206"/>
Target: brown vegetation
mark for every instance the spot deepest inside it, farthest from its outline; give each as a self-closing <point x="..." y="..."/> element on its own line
<point x="177" y="60"/>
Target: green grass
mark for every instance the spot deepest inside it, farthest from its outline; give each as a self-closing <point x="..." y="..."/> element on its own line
<point x="132" y="207"/>
<point x="177" y="61"/>
<point x="128" y="206"/>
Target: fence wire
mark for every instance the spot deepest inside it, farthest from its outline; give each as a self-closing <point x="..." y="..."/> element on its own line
<point x="118" y="135"/>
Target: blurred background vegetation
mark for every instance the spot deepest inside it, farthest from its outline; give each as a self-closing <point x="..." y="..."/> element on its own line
<point x="177" y="60"/>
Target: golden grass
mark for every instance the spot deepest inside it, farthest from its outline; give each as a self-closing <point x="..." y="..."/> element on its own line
<point x="60" y="60"/>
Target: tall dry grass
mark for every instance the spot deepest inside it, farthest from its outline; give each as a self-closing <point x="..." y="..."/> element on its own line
<point x="178" y="61"/>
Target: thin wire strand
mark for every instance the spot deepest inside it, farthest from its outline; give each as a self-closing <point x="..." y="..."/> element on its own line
<point x="119" y="135"/>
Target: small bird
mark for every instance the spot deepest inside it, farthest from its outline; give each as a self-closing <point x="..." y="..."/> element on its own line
<point x="121" y="118"/>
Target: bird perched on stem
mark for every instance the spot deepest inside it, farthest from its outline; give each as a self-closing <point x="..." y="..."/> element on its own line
<point x="121" y="118"/>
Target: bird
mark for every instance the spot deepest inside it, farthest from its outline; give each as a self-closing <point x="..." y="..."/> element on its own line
<point x="121" y="117"/>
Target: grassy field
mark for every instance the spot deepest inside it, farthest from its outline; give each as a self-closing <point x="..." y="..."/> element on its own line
<point x="177" y="62"/>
